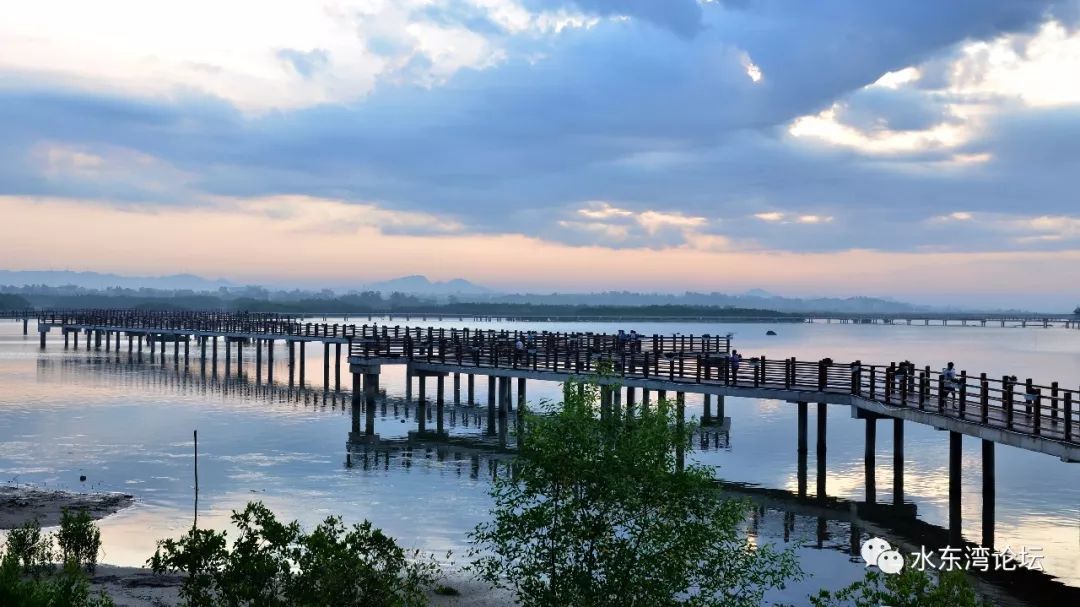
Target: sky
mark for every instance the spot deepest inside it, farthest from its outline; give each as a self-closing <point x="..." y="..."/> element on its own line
<point x="922" y="150"/>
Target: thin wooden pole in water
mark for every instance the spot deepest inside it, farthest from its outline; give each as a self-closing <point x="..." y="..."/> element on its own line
<point x="195" y="525"/>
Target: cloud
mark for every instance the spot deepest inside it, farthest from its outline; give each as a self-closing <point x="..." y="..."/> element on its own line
<point x="681" y="17"/>
<point x="503" y="116"/>
<point x="305" y="63"/>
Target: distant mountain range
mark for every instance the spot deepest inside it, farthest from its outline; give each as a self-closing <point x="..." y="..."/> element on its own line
<point x="97" y="280"/>
<point x="420" y="285"/>
<point x="461" y="290"/>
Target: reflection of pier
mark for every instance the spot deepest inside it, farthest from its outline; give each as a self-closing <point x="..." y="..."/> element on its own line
<point x="904" y="530"/>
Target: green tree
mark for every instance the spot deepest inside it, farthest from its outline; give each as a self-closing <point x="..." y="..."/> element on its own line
<point x="909" y="588"/>
<point x="28" y="577"/>
<point x="79" y="539"/>
<point x="278" y="564"/>
<point x="596" y="513"/>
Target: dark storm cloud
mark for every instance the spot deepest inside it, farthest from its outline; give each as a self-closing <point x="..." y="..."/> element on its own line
<point x="622" y="111"/>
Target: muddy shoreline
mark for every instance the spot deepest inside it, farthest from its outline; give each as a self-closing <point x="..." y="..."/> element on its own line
<point x="20" y="504"/>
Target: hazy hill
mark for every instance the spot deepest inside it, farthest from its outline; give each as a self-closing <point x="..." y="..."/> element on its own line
<point x="420" y="285"/>
<point x="97" y="280"/>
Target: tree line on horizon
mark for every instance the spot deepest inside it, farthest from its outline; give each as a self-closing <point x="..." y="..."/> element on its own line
<point x="373" y="302"/>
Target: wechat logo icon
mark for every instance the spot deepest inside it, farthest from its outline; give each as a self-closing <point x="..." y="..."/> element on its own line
<point x="877" y="552"/>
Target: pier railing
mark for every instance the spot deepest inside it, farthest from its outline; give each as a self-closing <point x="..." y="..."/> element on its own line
<point x="1050" y="411"/>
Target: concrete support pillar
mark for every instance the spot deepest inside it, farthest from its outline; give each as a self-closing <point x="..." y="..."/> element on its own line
<point x="176" y="350"/>
<point x="326" y="366"/>
<point x="140" y="345"/>
<point x="706" y="414"/>
<point x="67" y="340"/>
<point x="187" y="350"/>
<point x="25" y="325"/>
<point x="898" y="461"/>
<point x="989" y="485"/>
<point x="357" y="390"/>
<point x="504" y="399"/>
<point x="162" y="337"/>
<point x="269" y="361"/>
<point x="258" y="361"/>
<point x="955" y="470"/>
<point x="75" y="340"/>
<point x="303" y="344"/>
<point x="337" y="367"/>
<point x="213" y="354"/>
<point x="117" y="342"/>
<point x="97" y="340"/>
<point x="239" y="357"/>
<point x="605" y="402"/>
<point x="491" y="404"/>
<point x="630" y="402"/>
<point x="680" y="426"/>
<point x="822" y="413"/>
<point x="41" y="338"/>
<point x="616" y="393"/>
<point x="802" y="448"/>
<point x="471" y="387"/>
<point x="108" y="342"/>
<point x="440" y="405"/>
<point x="421" y="404"/>
<point x="228" y="356"/>
<point x="408" y="383"/>
<point x="869" y="459"/>
<point x="153" y="347"/>
<point x="521" y="393"/>
<point x="130" y="340"/>
<point x="371" y="389"/>
<point x="645" y="398"/>
<point x="457" y="388"/>
<point x="292" y="363"/>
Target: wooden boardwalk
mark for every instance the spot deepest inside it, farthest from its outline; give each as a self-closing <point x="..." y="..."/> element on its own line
<point x="631" y="369"/>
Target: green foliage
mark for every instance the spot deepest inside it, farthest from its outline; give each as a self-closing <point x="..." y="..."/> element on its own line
<point x="909" y="588"/>
<point x="597" y="514"/>
<point x="30" y="552"/>
<point x="79" y="539"/>
<point x="28" y="546"/>
<point x="272" y="563"/>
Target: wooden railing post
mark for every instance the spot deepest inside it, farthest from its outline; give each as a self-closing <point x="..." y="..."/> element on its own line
<point x="1038" y="411"/>
<point x="1007" y="400"/>
<point x="890" y="376"/>
<point x="984" y="398"/>
<point x="962" y="394"/>
<point x="1068" y="415"/>
<point x="1053" y="403"/>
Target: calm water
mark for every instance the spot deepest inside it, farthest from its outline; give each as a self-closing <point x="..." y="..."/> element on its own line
<point x="128" y="427"/>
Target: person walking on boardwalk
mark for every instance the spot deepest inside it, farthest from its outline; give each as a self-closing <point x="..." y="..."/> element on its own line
<point x="949" y="382"/>
<point x="735" y="359"/>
